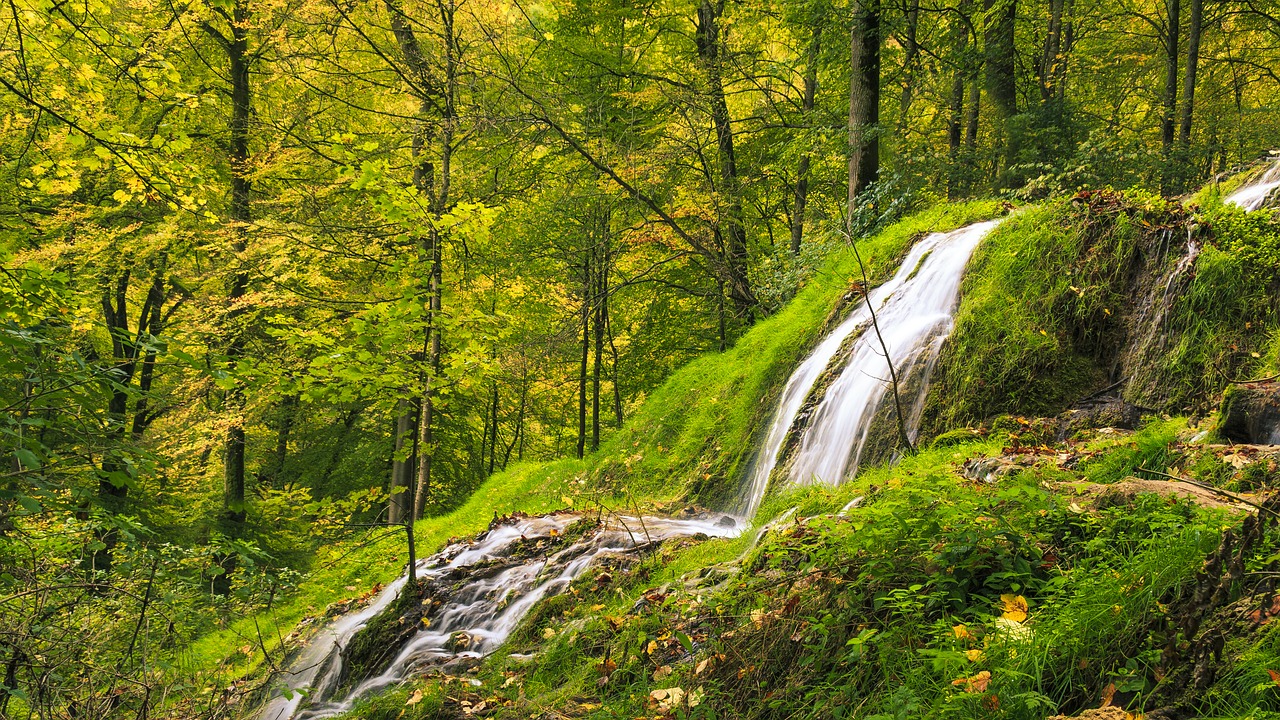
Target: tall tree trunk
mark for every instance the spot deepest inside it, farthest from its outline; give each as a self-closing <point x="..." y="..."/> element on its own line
<point x="613" y="366"/>
<point x="597" y="321"/>
<point x="733" y="232"/>
<point x="1189" y="79"/>
<point x="1001" y="68"/>
<point x="493" y="439"/>
<point x="1068" y="42"/>
<point x="910" y="58"/>
<point x="112" y="487"/>
<point x="233" y="499"/>
<point x="864" y="99"/>
<point x="1171" y="43"/>
<point x="1052" y="56"/>
<point x="584" y="320"/>
<point x="964" y="62"/>
<point x="285" y="414"/>
<point x="806" y="106"/>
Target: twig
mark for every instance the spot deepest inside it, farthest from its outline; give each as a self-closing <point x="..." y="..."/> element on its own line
<point x="1216" y="491"/>
<point x="893" y="374"/>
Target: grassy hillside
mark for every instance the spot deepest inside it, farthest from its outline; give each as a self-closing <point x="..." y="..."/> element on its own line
<point x="690" y="441"/>
<point x="979" y="579"/>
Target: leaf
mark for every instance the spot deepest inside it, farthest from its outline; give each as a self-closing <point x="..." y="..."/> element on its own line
<point x="1015" y="607"/>
<point x="1108" y="694"/>
<point x="1275" y="676"/>
<point x="548" y="633"/>
<point x="566" y="500"/>
<point x="974" y="683"/>
<point x="415" y="698"/>
<point x="662" y="673"/>
<point x="685" y="642"/>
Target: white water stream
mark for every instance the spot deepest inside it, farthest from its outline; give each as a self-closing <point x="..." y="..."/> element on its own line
<point x="1254" y="195"/>
<point x="476" y="617"/>
<point x="914" y="311"/>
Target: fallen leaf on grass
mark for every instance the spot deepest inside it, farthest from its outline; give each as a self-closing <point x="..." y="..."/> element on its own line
<point x="662" y="672"/>
<point x="1015" y="607"/>
<point x="415" y="698"/>
<point x="974" y="683"/>
<point x="667" y="698"/>
<point x="1275" y="676"/>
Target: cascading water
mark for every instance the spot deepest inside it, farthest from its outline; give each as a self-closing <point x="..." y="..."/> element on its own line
<point x="914" y="313"/>
<point x="1254" y="195"/>
<point x="475" y="618"/>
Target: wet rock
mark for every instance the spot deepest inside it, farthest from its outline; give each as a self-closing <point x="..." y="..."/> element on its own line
<point x="989" y="469"/>
<point x="1109" y="412"/>
<point x="1251" y="413"/>
<point x="727" y="521"/>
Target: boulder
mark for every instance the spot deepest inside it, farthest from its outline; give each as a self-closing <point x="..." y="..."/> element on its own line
<point x="1105" y="412"/>
<point x="1251" y="413"/>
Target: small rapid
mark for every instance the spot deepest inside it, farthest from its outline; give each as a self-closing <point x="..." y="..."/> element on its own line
<point x="1256" y="194"/>
<point x="516" y="564"/>
<point x="914" y="310"/>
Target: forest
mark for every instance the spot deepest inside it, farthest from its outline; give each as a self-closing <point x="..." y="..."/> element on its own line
<point x="294" y="293"/>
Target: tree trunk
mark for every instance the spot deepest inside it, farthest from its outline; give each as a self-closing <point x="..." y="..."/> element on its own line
<point x="613" y="365"/>
<point x="400" y="505"/>
<point x="233" y="496"/>
<point x="806" y="106"/>
<point x="584" y="320"/>
<point x="1000" y="62"/>
<point x="910" y="58"/>
<point x="1052" y="56"/>
<point x="597" y="327"/>
<point x="1189" y="79"/>
<point x="493" y="439"/>
<point x="864" y="99"/>
<point x="1170" y="74"/>
<point x="733" y="232"/>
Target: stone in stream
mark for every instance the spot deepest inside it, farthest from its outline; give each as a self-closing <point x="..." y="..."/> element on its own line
<point x="1251" y="413"/>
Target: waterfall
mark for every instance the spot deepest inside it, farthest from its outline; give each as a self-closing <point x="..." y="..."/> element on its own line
<point x="914" y="312"/>
<point x="472" y="618"/>
<point x="1254" y="195"/>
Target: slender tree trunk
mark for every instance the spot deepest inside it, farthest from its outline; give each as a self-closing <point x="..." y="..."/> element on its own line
<point x="1171" y="38"/>
<point x="1052" y="52"/>
<point x="733" y="232"/>
<point x="613" y="366"/>
<point x="1068" y="42"/>
<point x="597" y="322"/>
<point x="286" y="412"/>
<point x="864" y="99"/>
<point x="807" y="104"/>
<point x="493" y="440"/>
<point x="585" y="321"/>
<point x="402" y="466"/>
<point x="112" y="488"/>
<point x="233" y="497"/>
<point x="440" y="205"/>
<point x="1189" y="79"/>
<point x="910" y="58"/>
<point x="1001" y="68"/>
<point x="956" y="120"/>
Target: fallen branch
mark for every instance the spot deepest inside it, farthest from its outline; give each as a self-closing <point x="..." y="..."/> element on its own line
<point x="1214" y="490"/>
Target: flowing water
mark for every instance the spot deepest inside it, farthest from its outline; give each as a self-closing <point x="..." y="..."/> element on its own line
<point x="1254" y="195"/>
<point x="914" y="313"/>
<point x="474" y="617"/>
<point x="914" y="310"/>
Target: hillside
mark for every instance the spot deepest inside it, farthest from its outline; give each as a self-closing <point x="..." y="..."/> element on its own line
<point x="1047" y="577"/>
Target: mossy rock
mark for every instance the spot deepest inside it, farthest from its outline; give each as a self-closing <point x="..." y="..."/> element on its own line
<point x="959" y="436"/>
<point x="1251" y="413"/>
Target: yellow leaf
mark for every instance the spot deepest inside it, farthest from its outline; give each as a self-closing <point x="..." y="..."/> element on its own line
<point x="662" y="672"/>
<point x="973" y="655"/>
<point x="1015" y="607"/>
<point x="962" y="632"/>
<point x="548" y="633"/>
<point x="566" y="500"/>
<point x="415" y="698"/>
